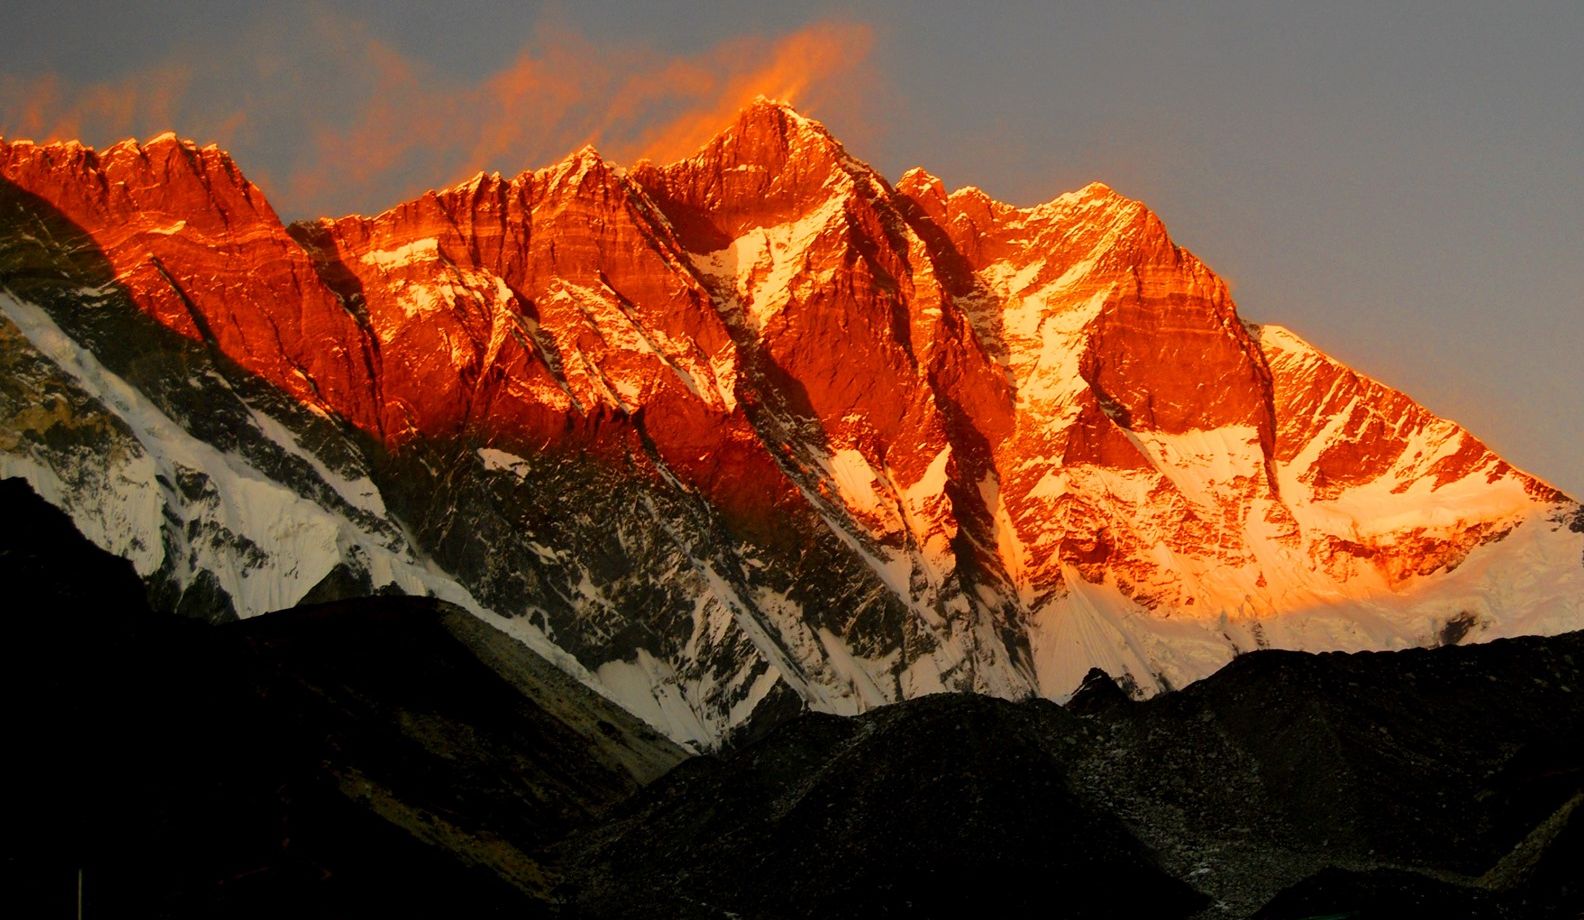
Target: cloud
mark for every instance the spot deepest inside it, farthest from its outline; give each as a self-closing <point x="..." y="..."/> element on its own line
<point x="328" y="117"/>
<point x="805" y="68"/>
<point x="47" y="108"/>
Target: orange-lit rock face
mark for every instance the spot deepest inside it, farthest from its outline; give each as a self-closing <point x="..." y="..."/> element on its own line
<point x="504" y="299"/>
<point x="552" y="310"/>
<point x="993" y="406"/>
<point x="207" y="257"/>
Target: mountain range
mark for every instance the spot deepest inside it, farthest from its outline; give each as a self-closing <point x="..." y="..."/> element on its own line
<point x="735" y="437"/>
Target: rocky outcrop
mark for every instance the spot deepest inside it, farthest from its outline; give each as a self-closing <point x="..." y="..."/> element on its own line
<point x="207" y="257"/>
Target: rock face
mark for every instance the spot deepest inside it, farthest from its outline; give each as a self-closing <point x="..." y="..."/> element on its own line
<point x="207" y="257"/>
<point x="758" y="430"/>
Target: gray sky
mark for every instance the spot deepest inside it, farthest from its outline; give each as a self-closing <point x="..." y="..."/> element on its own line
<point x="1402" y="184"/>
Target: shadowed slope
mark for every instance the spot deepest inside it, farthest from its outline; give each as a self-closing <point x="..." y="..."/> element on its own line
<point x="341" y="760"/>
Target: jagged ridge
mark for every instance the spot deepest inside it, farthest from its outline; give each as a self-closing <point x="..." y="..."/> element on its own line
<point x="758" y="426"/>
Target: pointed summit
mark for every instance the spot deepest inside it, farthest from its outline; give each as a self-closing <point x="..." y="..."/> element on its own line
<point x="762" y="101"/>
<point x="925" y="190"/>
<point x="769" y="166"/>
<point x="768" y="132"/>
<point x="1100" y="195"/>
<point x="780" y="107"/>
<point x="920" y="181"/>
<point x="581" y="167"/>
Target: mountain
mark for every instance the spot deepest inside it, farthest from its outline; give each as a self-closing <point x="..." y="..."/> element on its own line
<point x="741" y="435"/>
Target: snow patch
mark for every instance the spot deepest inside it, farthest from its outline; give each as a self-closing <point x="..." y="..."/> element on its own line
<point x="424" y="250"/>
<point x="499" y="461"/>
<point x="765" y="264"/>
<point x="855" y="479"/>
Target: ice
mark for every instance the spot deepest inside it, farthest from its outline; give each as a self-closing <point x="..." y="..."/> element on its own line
<point x="358" y="492"/>
<point x="649" y="688"/>
<point x="856" y="480"/>
<point x="168" y="229"/>
<point x="424" y="250"/>
<point x="763" y="265"/>
<point x="503" y="462"/>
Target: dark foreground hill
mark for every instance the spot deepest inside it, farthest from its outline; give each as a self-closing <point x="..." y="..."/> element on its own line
<point x="391" y="756"/>
<point x="1437" y="783"/>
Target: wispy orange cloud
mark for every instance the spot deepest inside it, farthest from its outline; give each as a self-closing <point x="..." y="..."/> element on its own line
<point x="330" y="118"/>
<point x="561" y="92"/>
<point x="47" y="108"/>
<point x="805" y="68"/>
